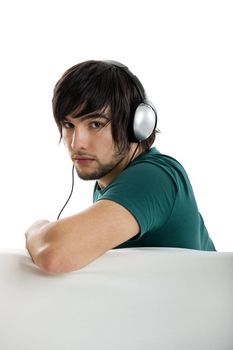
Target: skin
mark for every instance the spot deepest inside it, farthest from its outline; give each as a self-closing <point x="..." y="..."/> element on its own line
<point x="73" y="242"/>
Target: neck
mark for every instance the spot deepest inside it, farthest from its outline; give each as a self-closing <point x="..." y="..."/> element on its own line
<point x="134" y="152"/>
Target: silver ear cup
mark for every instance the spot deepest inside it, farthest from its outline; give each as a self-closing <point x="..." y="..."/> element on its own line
<point x="144" y="122"/>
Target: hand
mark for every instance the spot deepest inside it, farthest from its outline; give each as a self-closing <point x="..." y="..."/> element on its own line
<point x="35" y="226"/>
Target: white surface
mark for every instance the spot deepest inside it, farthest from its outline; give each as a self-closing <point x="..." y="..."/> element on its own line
<point x="147" y="298"/>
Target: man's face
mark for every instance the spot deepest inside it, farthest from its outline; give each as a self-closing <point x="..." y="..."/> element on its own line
<point x="91" y="146"/>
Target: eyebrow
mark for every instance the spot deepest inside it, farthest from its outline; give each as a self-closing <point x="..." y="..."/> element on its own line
<point x="91" y="115"/>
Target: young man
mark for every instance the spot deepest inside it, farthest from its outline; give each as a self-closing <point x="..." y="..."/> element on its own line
<point x="141" y="197"/>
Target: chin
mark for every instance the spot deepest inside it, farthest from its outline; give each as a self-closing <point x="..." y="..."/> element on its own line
<point x="86" y="176"/>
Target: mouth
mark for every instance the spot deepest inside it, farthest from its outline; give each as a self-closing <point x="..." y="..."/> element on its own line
<point x="82" y="160"/>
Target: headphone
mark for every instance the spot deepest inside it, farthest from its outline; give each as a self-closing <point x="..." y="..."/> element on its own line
<point x="145" y="117"/>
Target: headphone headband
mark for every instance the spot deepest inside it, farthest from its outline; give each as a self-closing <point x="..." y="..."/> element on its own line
<point x="133" y="77"/>
<point x="145" y="118"/>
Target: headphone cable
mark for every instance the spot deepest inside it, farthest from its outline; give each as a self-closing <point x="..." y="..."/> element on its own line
<point x="131" y="158"/>
<point x="72" y="188"/>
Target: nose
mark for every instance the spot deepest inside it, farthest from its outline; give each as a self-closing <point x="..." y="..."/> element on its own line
<point x="79" y="138"/>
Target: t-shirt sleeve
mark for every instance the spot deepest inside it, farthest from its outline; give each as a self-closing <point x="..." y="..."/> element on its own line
<point x="147" y="191"/>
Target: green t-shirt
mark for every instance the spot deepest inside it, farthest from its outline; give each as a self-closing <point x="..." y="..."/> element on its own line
<point x="156" y="190"/>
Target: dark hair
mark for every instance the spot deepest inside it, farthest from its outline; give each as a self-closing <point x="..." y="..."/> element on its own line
<point x="94" y="86"/>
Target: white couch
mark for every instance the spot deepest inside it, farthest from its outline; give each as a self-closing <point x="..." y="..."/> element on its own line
<point x="139" y="299"/>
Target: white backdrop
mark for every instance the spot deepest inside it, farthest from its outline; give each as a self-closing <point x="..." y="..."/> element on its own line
<point x="182" y="53"/>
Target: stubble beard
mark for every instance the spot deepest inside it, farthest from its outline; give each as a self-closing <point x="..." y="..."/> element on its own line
<point x="102" y="169"/>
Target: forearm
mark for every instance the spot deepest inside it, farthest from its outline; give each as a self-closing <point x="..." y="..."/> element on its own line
<point x="73" y="242"/>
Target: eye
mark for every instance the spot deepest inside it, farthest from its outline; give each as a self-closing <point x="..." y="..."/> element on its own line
<point x="96" y="124"/>
<point x="67" y="125"/>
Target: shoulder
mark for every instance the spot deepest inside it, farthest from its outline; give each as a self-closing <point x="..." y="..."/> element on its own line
<point x="142" y="184"/>
<point x="151" y="169"/>
<point x="148" y="173"/>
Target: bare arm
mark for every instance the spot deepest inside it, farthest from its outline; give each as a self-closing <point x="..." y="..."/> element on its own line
<point x="73" y="242"/>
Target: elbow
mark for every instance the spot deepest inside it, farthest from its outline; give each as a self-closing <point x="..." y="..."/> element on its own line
<point x="52" y="262"/>
<point x="49" y="262"/>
